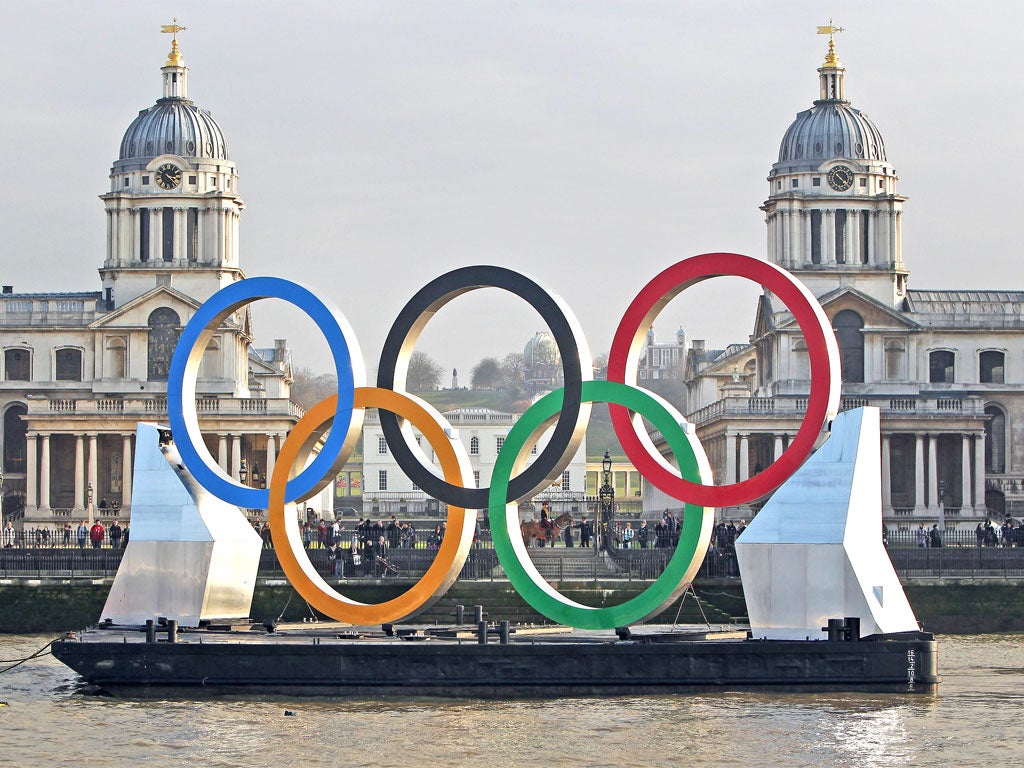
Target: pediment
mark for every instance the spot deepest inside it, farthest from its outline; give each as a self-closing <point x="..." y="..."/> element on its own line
<point x="875" y="314"/>
<point x="136" y="313"/>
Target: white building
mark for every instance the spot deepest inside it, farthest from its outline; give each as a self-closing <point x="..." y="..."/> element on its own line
<point x="946" y="367"/>
<point x="482" y="431"/>
<point x="79" y="369"/>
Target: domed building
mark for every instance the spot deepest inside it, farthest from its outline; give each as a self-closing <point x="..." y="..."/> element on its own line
<point x="945" y="367"/>
<point x="542" y="363"/>
<point x="80" y="369"/>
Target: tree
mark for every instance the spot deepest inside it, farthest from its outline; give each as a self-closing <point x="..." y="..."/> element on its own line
<point x="486" y="374"/>
<point x="513" y="372"/>
<point x="601" y="366"/>
<point x="424" y="373"/>
<point x="309" y="388"/>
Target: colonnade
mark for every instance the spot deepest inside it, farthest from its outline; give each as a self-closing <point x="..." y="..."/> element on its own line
<point x="40" y="462"/>
<point x="789" y="236"/>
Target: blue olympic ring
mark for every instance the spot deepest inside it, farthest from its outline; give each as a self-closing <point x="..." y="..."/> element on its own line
<point x="181" y="388"/>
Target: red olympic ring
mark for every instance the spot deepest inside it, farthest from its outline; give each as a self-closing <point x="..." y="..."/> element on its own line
<point x="822" y="349"/>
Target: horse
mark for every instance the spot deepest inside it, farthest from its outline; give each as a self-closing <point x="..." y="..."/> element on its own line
<point x="533" y="530"/>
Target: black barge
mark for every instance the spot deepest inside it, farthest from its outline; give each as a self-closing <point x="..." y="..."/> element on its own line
<point x="489" y="662"/>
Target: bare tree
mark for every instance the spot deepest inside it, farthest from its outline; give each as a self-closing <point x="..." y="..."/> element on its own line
<point x="424" y="373"/>
<point x="513" y="372"/>
<point x="486" y="374"/>
<point x="309" y="388"/>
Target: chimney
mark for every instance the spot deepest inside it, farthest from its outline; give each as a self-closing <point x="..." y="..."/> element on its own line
<point x="280" y="350"/>
<point x="698" y="345"/>
<point x="8" y="289"/>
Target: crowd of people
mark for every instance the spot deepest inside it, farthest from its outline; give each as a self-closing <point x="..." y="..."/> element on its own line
<point x="95" y="536"/>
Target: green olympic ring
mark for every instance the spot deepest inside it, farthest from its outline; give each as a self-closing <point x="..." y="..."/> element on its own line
<point x="693" y="539"/>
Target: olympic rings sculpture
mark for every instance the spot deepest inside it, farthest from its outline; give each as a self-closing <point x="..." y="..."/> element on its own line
<point x="515" y="477"/>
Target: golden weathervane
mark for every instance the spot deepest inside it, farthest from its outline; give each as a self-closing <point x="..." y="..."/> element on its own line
<point x="174" y="57"/>
<point x="830" y="29"/>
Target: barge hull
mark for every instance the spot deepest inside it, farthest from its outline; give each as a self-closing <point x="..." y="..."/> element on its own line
<point x="543" y="667"/>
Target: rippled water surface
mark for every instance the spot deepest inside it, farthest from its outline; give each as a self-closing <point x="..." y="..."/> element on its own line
<point x="976" y="719"/>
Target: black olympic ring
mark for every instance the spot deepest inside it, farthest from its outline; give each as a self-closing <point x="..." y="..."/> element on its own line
<point x="571" y="426"/>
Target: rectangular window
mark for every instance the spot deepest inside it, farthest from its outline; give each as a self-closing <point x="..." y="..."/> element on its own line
<point x="69" y="365"/>
<point x="500" y="441"/>
<point x="192" y="234"/>
<point x="382" y="445"/>
<point x="565" y="480"/>
<point x="816" y="181"/>
<point x="778" y="184"/>
<point x="16" y="364"/>
<point x="167" y="233"/>
<point x="796" y="183"/>
<point x="126" y="181"/>
<point x="144" y="234"/>
<point x="192" y="180"/>
<point x="815" y="237"/>
<point x="476" y="477"/>
<point x="382" y="479"/>
<point x="863" y="182"/>
<point x="145" y="180"/>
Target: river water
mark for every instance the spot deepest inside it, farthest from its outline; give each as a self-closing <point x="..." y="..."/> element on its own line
<point x="974" y="720"/>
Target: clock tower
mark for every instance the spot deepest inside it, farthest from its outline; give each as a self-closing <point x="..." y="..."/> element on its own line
<point x="173" y="206"/>
<point x="833" y="212"/>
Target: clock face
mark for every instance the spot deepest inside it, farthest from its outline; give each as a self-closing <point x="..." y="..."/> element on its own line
<point x="168" y="176"/>
<point x="840" y="178"/>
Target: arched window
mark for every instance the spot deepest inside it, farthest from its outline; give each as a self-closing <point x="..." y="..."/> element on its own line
<point x="115" y="358"/>
<point x="17" y="364"/>
<point x="474" y="446"/>
<point x="991" y="367"/>
<point x="995" y="440"/>
<point x="15" y="441"/>
<point x="164" y="329"/>
<point x="895" y="360"/>
<point x="940" y="366"/>
<point x="848" y="325"/>
<point x="68" y="364"/>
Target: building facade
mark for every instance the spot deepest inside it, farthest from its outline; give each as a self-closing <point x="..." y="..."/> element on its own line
<point x="946" y="367"/>
<point x="482" y="431"/>
<point x="78" y="370"/>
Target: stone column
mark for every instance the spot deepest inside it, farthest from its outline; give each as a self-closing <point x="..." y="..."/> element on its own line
<point x="79" y="473"/>
<point x="156" y="225"/>
<point x="794" y="238"/>
<point x="222" y="452"/>
<point x="965" y="471"/>
<point x="853" y="236"/>
<point x="31" y="477"/>
<point x="979" y="474"/>
<point x="180" y="239"/>
<point x="44" y="475"/>
<point x="778" y="447"/>
<point x="744" y="457"/>
<point x="236" y="456"/>
<point x="933" y="471"/>
<point x="271" y="455"/>
<point x="730" y="458"/>
<point x="828" y="231"/>
<point x="919" y="473"/>
<point x="126" y="471"/>
<point x="886" y="476"/>
<point x="94" y="469"/>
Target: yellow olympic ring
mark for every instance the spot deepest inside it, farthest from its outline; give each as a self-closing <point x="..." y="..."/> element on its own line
<point x="287" y="538"/>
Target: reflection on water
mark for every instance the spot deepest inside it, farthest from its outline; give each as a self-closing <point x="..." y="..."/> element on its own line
<point x="971" y="721"/>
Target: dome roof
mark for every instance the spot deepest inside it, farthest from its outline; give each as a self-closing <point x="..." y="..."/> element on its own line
<point x="831" y="129"/>
<point x="174" y="126"/>
<point x="541" y="350"/>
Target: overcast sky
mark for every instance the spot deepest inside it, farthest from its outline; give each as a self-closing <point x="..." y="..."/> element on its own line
<point x="589" y="144"/>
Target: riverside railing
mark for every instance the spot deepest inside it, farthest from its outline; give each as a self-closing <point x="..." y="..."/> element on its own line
<point x="555" y="565"/>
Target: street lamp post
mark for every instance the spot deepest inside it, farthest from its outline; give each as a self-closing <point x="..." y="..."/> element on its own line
<point x="942" y="506"/>
<point x="88" y="503"/>
<point x="243" y="472"/>
<point x="606" y="503"/>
